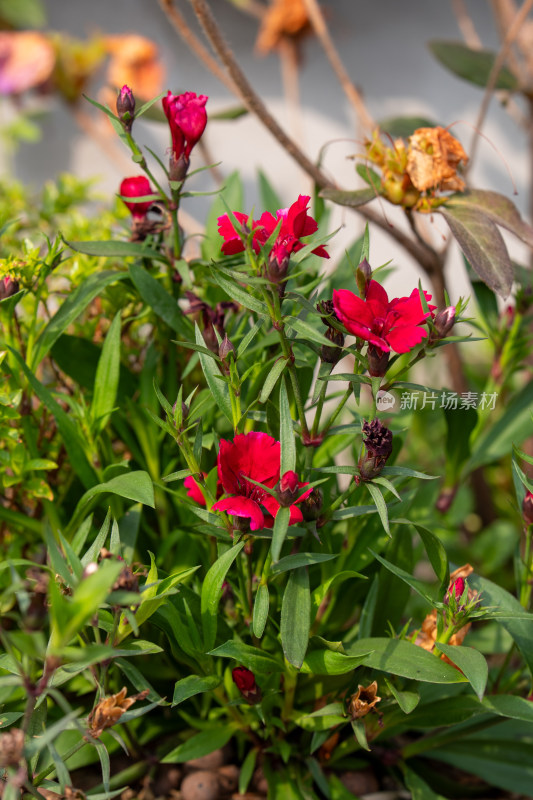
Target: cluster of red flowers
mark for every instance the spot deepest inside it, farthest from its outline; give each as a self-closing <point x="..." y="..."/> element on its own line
<point x="253" y="457"/>
<point x="187" y="119"/>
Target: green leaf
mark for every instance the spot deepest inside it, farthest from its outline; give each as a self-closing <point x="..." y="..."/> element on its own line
<point x="272" y="378"/>
<point x="219" y="389"/>
<point x="300" y="560"/>
<point x="253" y="658"/>
<point x="519" y="629"/>
<point x="78" y="358"/>
<point x="136" y="486"/>
<point x="192" y="685"/>
<point x="74" y="445"/>
<point x="242" y="296"/>
<point x="403" y="127"/>
<point x="507" y="705"/>
<point x="211" y="593"/>
<point x="118" y="249"/>
<point x="247" y="770"/>
<point x="286" y="432"/>
<point x="327" y="717"/>
<point x="483" y="246"/>
<point x="160" y="301"/>
<point x="407" y="701"/>
<point x="353" y="199"/>
<point x="200" y="745"/>
<point x="328" y="662"/>
<point x="419" y="788"/>
<point x="296" y="617"/>
<point x="472" y="65"/>
<point x="23" y="14"/>
<point x="261" y="605"/>
<point x="498" y="208"/>
<point x="71" y="309"/>
<point x="279" y="532"/>
<point x="400" y="657"/>
<point x="471" y="663"/>
<point x="107" y="376"/>
<point x="381" y="505"/>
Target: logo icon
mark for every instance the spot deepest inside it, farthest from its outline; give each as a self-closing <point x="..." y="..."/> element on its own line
<point x="385" y="401"/>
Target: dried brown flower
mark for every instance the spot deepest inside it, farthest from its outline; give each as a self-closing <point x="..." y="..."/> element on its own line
<point x="432" y="161"/>
<point x="109" y="710"/>
<point x="135" y="62"/>
<point x="364" y="701"/>
<point x="11" y="747"/>
<point x="283" y="19"/>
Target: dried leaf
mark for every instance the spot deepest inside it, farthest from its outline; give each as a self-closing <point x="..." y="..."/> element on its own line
<point x="433" y="158"/>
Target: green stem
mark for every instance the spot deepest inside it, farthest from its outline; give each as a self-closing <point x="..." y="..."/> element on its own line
<point x="50" y="769"/>
<point x="320" y="406"/>
<point x="338" y="410"/>
<point x="290" y="680"/>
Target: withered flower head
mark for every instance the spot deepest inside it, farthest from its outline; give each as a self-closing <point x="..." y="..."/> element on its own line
<point x="377" y="438"/>
<point x="284" y="19"/>
<point x="364" y="701"/>
<point x="109" y="710"/>
<point x="11" y="747"/>
<point x="433" y="158"/>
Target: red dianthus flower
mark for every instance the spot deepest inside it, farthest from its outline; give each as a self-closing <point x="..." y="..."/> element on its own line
<point x="387" y="325"/>
<point x="295" y="223"/>
<point x="137" y="186"/>
<point x="257" y="456"/>
<point x="187" y="119"/>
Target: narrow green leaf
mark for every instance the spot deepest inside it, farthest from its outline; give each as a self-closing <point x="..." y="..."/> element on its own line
<point x="300" y="560"/>
<point x="296" y="617"/>
<point x="118" y="249"/>
<point x="260" y="614"/>
<point x="272" y="378"/>
<point x="136" y="486"/>
<point x="279" y="532"/>
<point x="160" y="301"/>
<point x="471" y="663"/>
<point x="211" y="592"/>
<point x="218" y="388"/>
<point x="242" y="296"/>
<point x="253" y="658"/>
<point x="381" y="505"/>
<point x="353" y="199"/>
<point x="328" y="662"/>
<point x="286" y="432"/>
<point x="192" y="685"/>
<point x="403" y="658"/>
<point x="472" y="65"/>
<point x="107" y="376"/>
<point x="200" y="745"/>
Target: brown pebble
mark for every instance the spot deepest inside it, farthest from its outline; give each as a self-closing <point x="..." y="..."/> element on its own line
<point x="212" y="760"/>
<point x="228" y="777"/>
<point x="360" y="781"/>
<point x="168" y="777"/>
<point x="259" y="782"/>
<point x="200" y="785"/>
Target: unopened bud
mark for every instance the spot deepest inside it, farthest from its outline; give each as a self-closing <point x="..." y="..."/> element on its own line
<point x="225" y="348"/>
<point x="455" y="589"/>
<point x="527" y="508"/>
<point x="288" y="489"/>
<point x="278" y="263"/>
<point x="378" y="361"/>
<point x="311" y="506"/>
<point x="332" y="355"/>
<point x="444" y="321"/>
<point x="178" y="168"/>
<point x="244" y="680"/>
<point x="8" y="287"/>
<point x="363" y="276"/>
<point x="126" y="107"/>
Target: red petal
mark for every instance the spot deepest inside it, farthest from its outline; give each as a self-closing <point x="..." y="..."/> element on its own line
<point x="404" y="337"/>
<point x="377" y="294"/>
<point x="351" y="309"/>
<point x="194" y="490"/>
<point x="320" y="251"/>
<point x="239" y="506"/>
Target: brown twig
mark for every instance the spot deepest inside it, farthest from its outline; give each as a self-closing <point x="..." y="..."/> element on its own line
<point x="180" y="25"/>
<point x="322" y="32"/>
<point x="504" y="12"/>
<point x="466" y="25"/>
<point x="510" y="36"/>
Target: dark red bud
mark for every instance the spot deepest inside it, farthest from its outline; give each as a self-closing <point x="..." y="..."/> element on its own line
<point x="456" y="588"/>
<point x="288" y="489"/>
<point x="378" y="361"/>
<point x="126" y="107"/>
<point x="8" y="287"/>
<point x="332" y="355"/>
<point x="363" y="276"/>
<point x="225" y="348"/>
<point x="444" y="321"/>
<point x="178" y="167"/>
<point x="244" y="680"/>
<point x="312" y="505"/>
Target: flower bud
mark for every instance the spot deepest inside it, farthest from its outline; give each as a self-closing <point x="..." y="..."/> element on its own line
<point x="363" y="276"/>
<point x="126" y="107"/>
<point x="444" y="321"/>
<point x="377" y="440"/>
<point x="378" y="361"/>
<point x="8" y="287"/>
<point x="137" y="186"/>
<point x="244" y="680"/>
<point x="288" y="489"/>
<point x="278" y="262"/>
<point x="312" y="505"/>
<point x="527" y="508"/>
<point x="455" y="589"/>
<point x="178" y="167"/>
<point x="225" y="348"/>
<point x="332" y="355"/>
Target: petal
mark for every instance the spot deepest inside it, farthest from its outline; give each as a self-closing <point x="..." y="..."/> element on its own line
<point x="320" y="251"/>
<point x="404" y="337"/>
<point x="226" y="227"/>
<point x="239" y="506"/>
<point x="194" y="490"/>
<point x="377" y="295"/>
<point x="351" y="309"/>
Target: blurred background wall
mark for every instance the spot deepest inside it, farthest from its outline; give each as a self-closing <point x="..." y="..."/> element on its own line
<point x="383" y="45"/>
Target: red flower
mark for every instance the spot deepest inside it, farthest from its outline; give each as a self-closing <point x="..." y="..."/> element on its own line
<point x="244" y="680"/>
<point x="256" y="456"/>
<point x="139" y="186"/>
<point x="295" y="223"/>
<point x="387" y="325"/>
<point x="187" y="119"/>
<point x="195" y="491"/>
